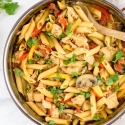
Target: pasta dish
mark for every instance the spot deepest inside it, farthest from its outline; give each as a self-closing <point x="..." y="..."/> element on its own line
<point x="69" y="63"/>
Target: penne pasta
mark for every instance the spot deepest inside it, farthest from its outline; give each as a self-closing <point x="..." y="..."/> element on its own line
<point x="44" y="39"/>
<point x="83" y="114"/>
<point x="72" y="90"/>
<point x="65" y="84"/>
<point x="36" y="66"/>
<point x="72" y="82"/>
<point x="36" y="109"/>
<point x="50" y="83"/>
<point x="68" y="96"/>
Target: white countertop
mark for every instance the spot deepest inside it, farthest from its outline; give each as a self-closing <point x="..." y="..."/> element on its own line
<point x="9" y="113"/>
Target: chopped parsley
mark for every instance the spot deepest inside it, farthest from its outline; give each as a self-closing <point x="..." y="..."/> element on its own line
<point x="116" y="88"/>
<point x="74" y="74"/>
<point x="70" y="60"/>
<point x="68" y="30"/>
<point x="49" y="34"/>
<point x="61" y="36"/>
<point x="58" y="76"/>
<point x="51" y="122"/>
<point x="61" y="107"/>
<point x="37" y="56"/>
<point x="99" y="81"/>
<point x="102" y="58"/>
<point x="84" y="70"/>
<point x="9" y="6"/>
<point x="95" y="64"/>
<point x="91" y="105"/>
<point x="32" y="41"/>
<point x="84" y="63"/>
<point x="97" y="118"/>
<point x="55" y="90"/>
<point x="47" y="19"/>
<point x="118" y="56"/>
<point x="76" y="94"/>
<point x="18" y="72"/>
<point x="112" y="79"/>
<point x="86" y="94"/>
<point x="47" y="61"/>
<point x="30" y="61"/>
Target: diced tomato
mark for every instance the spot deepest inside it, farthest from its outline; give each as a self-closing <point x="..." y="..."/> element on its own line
<point x="57" y="12"/>
<point x="92" y="45"/>
<point x="51" y="6"/>
<point x="103" y="20"/>
<point x="23" y="56"/>
<point x="36" y="32"/>
<point x="44" y="52"/>
<point x="49" y="99"/>
<point x="99" y="61"/>
<point x="62" y="21"/>
<point x="48" y="48"/>
<point x="103" y="10"/>
<point x="118" y="66"/>
<point x="68" y="100"/>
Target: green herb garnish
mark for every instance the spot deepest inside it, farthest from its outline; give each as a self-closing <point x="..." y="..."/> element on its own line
<point x="70" y="60"/>
<point x="95" y="64"/>
<point x="55" y="90"/>
<point x="37" y="56"/>
<point x="84" y="63"/>
<point x="30" y="61"/>
<point x="76" y="94"/>
<point x="51" y="122"/>
<point x="47" y="19"/>
<point x="18" y="72"/>
<point x="74" y="74"/>
<point x="84" y="70"/>
<point x="68" y="30"/>
<point x="102" y="57"/>
<point x="97" y="118"/>
<point x="99" y="81"/>
<point x="116" y="88"/>
<point x="86" y="94"/>
<point x="112" y="79"/>
<point x="47" y="61"/>
<point x="49" y="34"/>
<point x="118" y="56"/>
<point x="58" y="76"/>
<point x="32" y="41"/>
<point x="9" y="6"/>
<point x="61" y="36"/>
<point x="61" y="107"/>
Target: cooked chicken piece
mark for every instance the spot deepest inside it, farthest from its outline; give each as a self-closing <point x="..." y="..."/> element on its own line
<point x="112" y="101"/>
<point x="30" y="96"/>
<point x="70" y="69"/>
<point x="56" y="30"/>
<point x="55" y="60"/>
<point x="41" y="107"/>
<point x="41" y="61"/>
<point x="17" y="55"/>
<point x="72" y="12"/>
<point x="38" y="97"/>
<point x="80" y="40"/>
<point x="46" y="104"/>
<point x="54" y="111"/>
<point x="79" y="100"/>
<point x="34" y="75"/>
<point x="106" y="51"/>
<point x="90" y="60"/>
<point x="86" y="105"/>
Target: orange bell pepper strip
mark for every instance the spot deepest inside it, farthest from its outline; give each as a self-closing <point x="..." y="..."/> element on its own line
<point x="23" y="57"/>
<point x="62" y="21"/>
<point x="49" y="99"/>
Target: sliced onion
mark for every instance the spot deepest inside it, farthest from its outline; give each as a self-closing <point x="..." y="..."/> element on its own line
<point x="106" y="31"/>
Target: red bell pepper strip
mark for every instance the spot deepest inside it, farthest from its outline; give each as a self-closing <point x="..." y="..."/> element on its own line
<point x="118" y="66"/>
<point x="57" y="12"/>
<point x="62" y="20"/>
<point x="98" y="98"/>
<point x="99" y="61"/>
<point x="36" y="32"/>
<point x="44" y="52"/>
<point x="49" y="99"/>
<point x="23" y="56"/>
<point x="48" y="49"/>
<point x="51" y="6"/>
<point x="103" y="20"/>
<point x="103" y="10"/>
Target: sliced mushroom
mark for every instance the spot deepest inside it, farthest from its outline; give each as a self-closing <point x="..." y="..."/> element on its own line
<point x="86" y="80"/>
